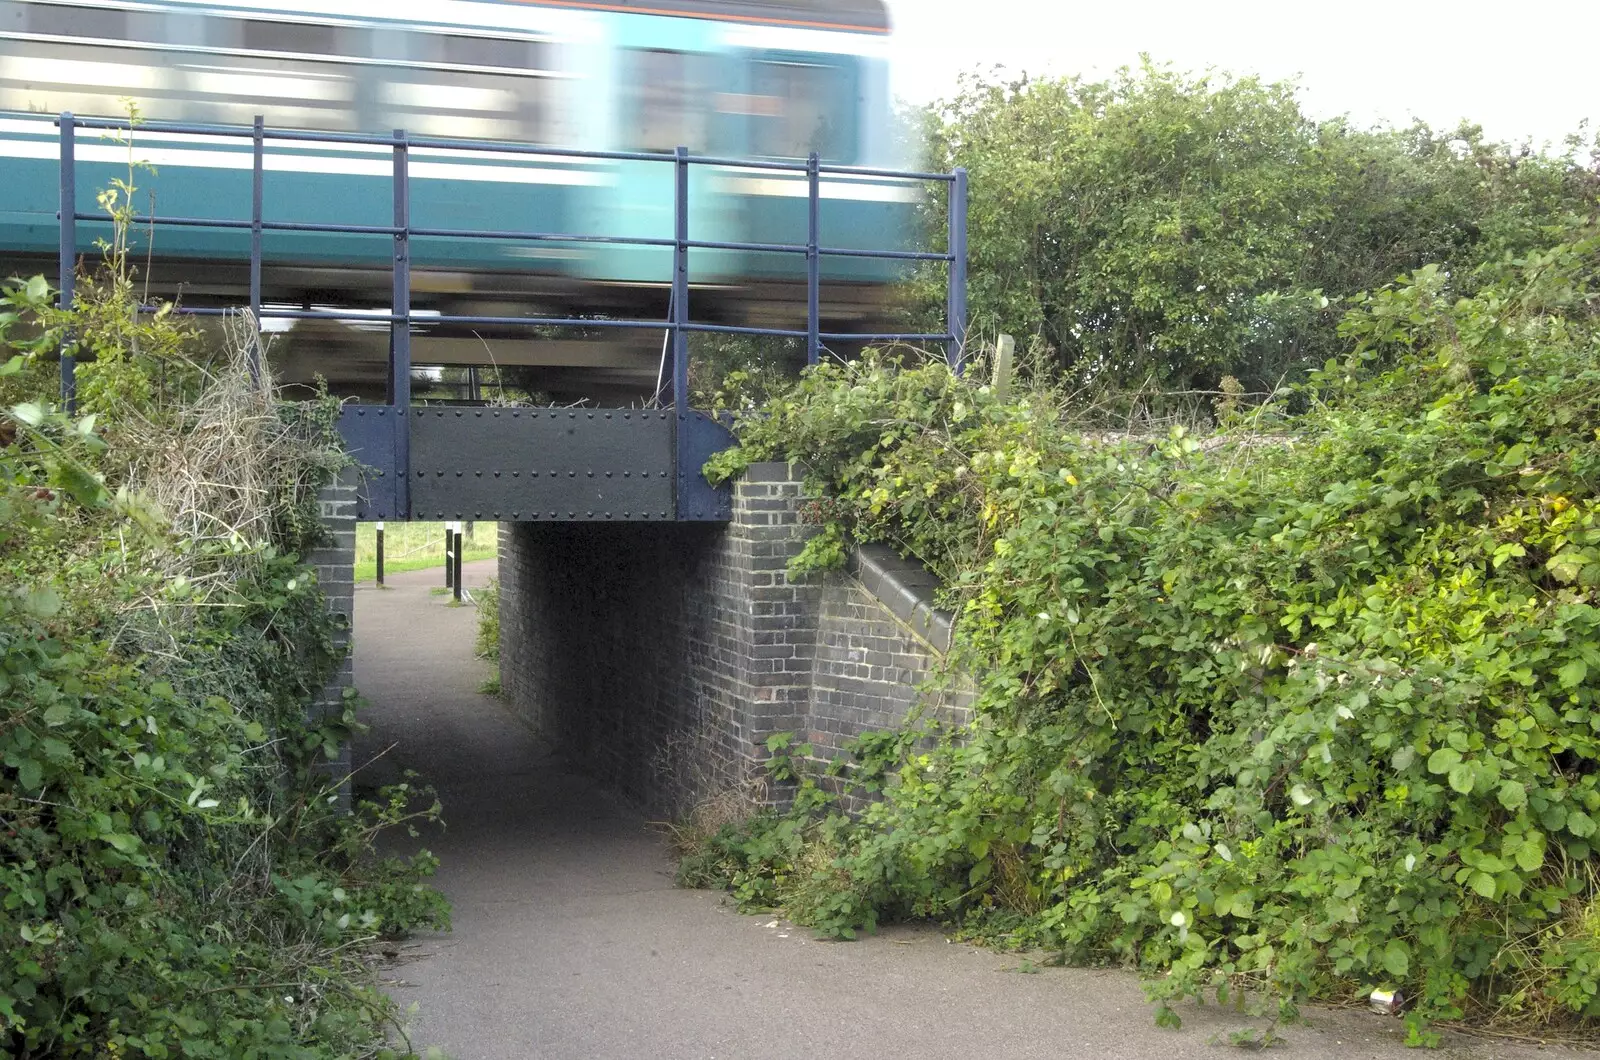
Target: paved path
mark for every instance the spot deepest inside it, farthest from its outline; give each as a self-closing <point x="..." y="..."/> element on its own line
<point x="571" y="941"/>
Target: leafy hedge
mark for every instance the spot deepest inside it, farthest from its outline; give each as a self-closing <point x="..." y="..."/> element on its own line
<point x="176" y="877"/>
<point x="1309" y="705"/>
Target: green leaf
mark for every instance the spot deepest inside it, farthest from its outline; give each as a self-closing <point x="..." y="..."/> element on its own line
<point x="12" y="366"/>
<point x="125" y="843"/>
<point x="42" y="603"/>
<point x="30" y="414"/>
<point x="57" y="714"/>
<point x="30" y="774"/>
<point x="38" y="289"/>
<point x="1461" y="778"/>
<point x="1573" y="673"/>
<point x="1483" y="883"/>
<point x="1443" y="760"/>
<point x="1512" y="795"/>
<point x="1397" y="958"/>
<point x="1530" y="855"/>
<point x="1580" y="824"/>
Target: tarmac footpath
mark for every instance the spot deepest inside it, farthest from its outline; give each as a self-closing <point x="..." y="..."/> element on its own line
<point x="571" y="941"/>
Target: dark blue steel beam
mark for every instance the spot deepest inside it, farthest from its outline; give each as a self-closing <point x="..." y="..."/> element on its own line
<point x="400" y="309"/>
<point x="68" y="259"/>
<point x="257" y="198"/>
<point x="813" y="261"/>
<point x="956" y="303"/>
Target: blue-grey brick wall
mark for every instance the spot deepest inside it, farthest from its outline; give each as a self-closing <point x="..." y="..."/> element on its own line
<point x="661" y="657"/>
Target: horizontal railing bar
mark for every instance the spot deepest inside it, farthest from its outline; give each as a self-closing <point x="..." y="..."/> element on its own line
<point x="488" y="146"/>
<point x="272" y="226"/>
<point x="562" y="322"/>
<point x="879" y="336"/>
<point x="541" y="237"/>
<point x="894" y="255"/>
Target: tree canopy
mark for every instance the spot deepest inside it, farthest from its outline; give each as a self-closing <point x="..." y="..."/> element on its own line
<point x="1173" y="229"/>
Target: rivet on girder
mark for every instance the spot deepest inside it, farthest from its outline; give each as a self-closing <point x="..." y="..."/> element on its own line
<point x="572" y="415"/>
<point x="478" y="415"/>
<point x="608" y="474"/>
<point x="591" y="415"/>
<point x="380" y="472"/>
<point x="361" y="412"/>
<point x="608" y="515"/>
<point x="496" y="413"/>
<point x="552" y="513"/>
<point x="572" y="515"/>
<point x="590" y="474"/>
<point x="458" y="414"/>
<point x="441" y="472"/>
<point x="608" y="415"/>
<point x="590" y="514"/>
<point x="627" y="415"/>
<point x="460" y="473"/>
<point x="477" y="474"/>
<point x="627" y="515"/>
<point x="515" y="512"/>
<point x="572" y="474"/>
<point x="422" y="474"/>
<point x="497" y="474"/>
<point x="627" y="474"/>
<point x="516" y="474"/>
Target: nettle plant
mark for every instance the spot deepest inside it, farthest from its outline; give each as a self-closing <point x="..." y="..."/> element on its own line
<point x="1305" y="707"/>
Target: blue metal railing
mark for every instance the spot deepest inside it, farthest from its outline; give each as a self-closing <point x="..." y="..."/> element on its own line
<point x="679" y="324"/>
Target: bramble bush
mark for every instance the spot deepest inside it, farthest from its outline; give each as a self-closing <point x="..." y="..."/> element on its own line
<point x="1293" y="710"/>
<point x="177" y="877"/>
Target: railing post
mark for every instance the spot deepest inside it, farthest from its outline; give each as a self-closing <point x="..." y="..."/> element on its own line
<point x="449" y="540"/>
<point x="258" y="142"/>
<point x="400" y="326"/>
<point x="813" y="262"/>
<point x="380" y="556"/>
<point x="956" y="310"/>
<point x="69" y="252"/>
<point x="680" y="283"/>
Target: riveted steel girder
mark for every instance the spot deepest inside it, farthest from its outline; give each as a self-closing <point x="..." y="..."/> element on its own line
<point x="546" y="465"/>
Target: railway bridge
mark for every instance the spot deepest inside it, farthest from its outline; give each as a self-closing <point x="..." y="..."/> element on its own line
<point x="646" y="613"/>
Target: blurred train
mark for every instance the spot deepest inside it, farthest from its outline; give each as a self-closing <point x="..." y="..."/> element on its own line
<point x="765" y="79"/>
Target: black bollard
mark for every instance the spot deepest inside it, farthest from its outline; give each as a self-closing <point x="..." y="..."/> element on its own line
<point x="449" y="570"/>
<point x="458" y="567"/>
<point x="380" y="555"/>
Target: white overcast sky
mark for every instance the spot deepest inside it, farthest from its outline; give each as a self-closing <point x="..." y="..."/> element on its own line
<point x="1521" y="68"/>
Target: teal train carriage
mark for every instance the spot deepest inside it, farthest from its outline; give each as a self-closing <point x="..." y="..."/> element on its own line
<point x="762" y="79"/>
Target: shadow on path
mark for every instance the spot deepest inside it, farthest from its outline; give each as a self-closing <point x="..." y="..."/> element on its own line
<point x="570" y="939"/>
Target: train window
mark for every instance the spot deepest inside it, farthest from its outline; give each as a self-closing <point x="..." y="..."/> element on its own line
<point x="663" y="97"/>
<point x="262" y="35"/>
<point x="809" y="108"/>
<point x="63" y="20"/>
<point x="490" y="51"/>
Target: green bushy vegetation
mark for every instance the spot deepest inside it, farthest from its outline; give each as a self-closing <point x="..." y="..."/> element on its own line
<point x="177" y="875"/>
<point x="1159" y="230"/>
<point x="1295" y="709"/>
